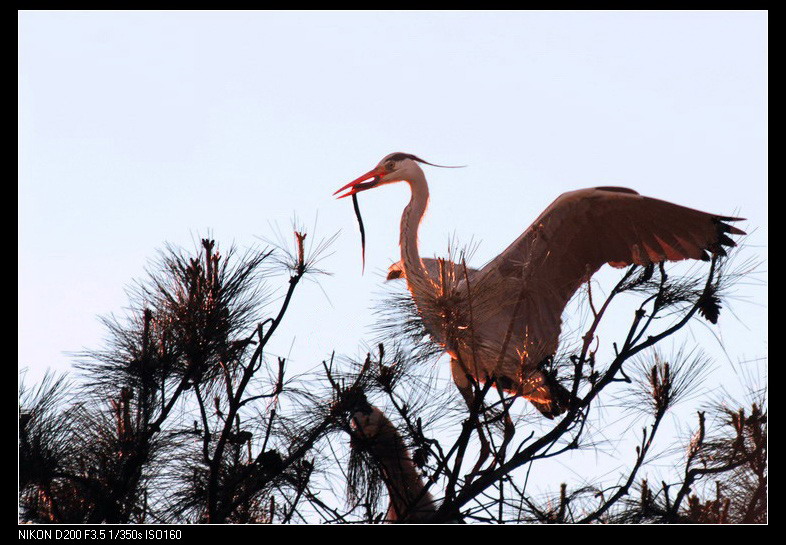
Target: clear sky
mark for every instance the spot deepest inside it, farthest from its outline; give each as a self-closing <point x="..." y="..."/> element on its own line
<point x="137" y="129"/>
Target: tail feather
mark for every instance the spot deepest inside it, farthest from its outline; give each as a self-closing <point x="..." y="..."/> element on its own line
<point x="558" y="398"/>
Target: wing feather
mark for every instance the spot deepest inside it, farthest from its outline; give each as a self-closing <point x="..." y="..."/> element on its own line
<point x="582" y="230"/>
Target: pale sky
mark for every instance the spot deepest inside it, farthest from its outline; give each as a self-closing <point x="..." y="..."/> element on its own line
<point x="137" y="129"/>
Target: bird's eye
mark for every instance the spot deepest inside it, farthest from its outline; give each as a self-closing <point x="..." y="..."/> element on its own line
<point x="390" y="166"/>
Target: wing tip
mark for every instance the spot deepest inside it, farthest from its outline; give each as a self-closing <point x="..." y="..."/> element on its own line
<point x="723" y="227"/>
<point x="723" y="230"/>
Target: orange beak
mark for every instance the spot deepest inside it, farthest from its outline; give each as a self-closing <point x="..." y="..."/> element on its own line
<point x="360" y="184"/>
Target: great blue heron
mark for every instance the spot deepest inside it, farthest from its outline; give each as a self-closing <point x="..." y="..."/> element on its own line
<point x="503" y="321"/>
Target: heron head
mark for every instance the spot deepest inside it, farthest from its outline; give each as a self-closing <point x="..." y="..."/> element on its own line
<point x="395" y="167"/>
<point x="367" y="423"/>
<point x="364" y="476"/>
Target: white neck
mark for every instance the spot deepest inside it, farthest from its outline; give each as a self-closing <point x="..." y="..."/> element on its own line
<point x="405" y="487"/>
<point x="417" y="277"/>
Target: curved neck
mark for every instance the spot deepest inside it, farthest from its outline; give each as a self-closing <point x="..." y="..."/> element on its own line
<point x="410" y="222"/>
<point x="408" y="502"/>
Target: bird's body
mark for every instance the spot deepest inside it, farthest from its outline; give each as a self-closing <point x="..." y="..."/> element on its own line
<point x="504" y="320"/>
<point x="408" y="501"/>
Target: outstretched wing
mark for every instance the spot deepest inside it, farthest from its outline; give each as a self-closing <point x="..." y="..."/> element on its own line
<point x="582" y="230"/>
<point x="574" y="237"/>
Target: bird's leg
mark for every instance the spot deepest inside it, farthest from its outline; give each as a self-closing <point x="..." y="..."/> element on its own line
<point x="485" y="448"/>
<point x="509" y="429"/>
<point x="466" y="387"/>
